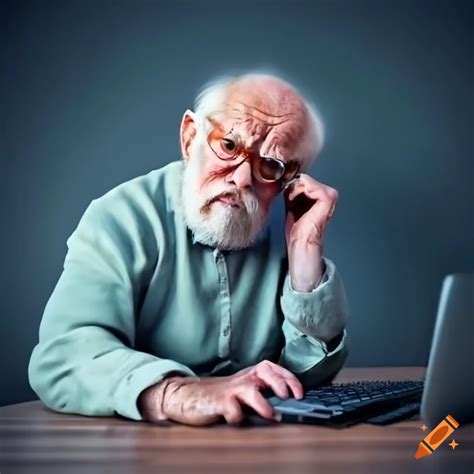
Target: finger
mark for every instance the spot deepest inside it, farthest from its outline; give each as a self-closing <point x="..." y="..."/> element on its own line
<point x="307" y="179"/>
<point x="313" y="189"/>
<point x="233" y="413"/>
<point x="331" y="210"/>
<point x="272" y="380"/>
<point x="311" y="192"/>
<point x="290" y="379"/>
<point x="255" y="400"/>
<point x="322" y="213"/>
<point x="295" y="386"/>
<point x="295" y="190"/>
<point x="304" y="182"/>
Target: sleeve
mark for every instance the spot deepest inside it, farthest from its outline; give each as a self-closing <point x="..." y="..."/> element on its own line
<point x="314" y="328"/>
<point x="84" y="362"/>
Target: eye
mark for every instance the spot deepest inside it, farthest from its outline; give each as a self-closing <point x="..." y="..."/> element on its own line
<point x="228" y="144"/>
<point x="227" y="149"/>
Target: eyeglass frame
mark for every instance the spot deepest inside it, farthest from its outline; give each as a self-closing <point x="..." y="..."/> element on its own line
<point x="284" y="184"/>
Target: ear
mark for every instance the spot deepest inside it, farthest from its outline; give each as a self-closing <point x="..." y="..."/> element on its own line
<point x="187" y="132"/>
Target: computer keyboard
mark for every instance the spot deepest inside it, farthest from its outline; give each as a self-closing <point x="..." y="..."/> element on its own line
<point x="396" y="414"/>
<point x="348" y="403"/>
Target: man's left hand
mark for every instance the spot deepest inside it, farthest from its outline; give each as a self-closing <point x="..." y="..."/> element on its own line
<point x="304" y="235"/>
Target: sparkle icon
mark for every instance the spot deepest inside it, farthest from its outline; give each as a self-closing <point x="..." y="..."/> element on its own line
<point x="424" y="427"/>
<point x="453" y="444"/>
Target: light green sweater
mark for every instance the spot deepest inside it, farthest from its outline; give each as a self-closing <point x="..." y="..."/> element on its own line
<point x="139" y="298"/>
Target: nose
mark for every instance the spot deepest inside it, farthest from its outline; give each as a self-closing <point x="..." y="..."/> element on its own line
<point x="242" y="175"/>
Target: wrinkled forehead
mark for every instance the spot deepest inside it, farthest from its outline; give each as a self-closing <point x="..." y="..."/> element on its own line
<point x="258" y="123"/>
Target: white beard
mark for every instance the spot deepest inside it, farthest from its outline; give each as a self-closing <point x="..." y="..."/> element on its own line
<point x="222" y="226"/>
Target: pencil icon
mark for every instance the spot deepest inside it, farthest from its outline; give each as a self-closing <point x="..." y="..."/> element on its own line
<point x="436" y="437"/>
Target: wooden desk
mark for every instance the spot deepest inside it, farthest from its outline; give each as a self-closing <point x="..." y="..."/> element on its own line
<point x="36" y="440"/>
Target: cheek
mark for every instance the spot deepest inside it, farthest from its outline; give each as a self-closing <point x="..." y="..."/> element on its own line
<point x="265" y="195"/>
<point x="205" y="169"/>
<point x="212" y="174"/>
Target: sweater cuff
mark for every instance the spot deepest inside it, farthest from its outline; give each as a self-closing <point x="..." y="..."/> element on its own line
<point x="126" y="396"/>
<point x="302" y="352"/>
<point x="321" y="313"/>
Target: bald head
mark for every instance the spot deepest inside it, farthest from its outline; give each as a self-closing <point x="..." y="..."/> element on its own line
<point x="267" y="94"/>
<point x="270" y="110"/>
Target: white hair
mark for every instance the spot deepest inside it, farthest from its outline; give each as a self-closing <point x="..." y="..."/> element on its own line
<point x="211" y="96"/>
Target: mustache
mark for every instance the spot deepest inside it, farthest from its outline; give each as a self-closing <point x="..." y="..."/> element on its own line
<point x="248" y="200"/>
<point x="231" y="193"/>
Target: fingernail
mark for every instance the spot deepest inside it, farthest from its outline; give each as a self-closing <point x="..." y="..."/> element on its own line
<point x="277" y="417"/>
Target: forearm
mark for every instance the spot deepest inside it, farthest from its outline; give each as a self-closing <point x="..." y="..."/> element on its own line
<point x="88" y="371"/>
<point x="306" y="266"/>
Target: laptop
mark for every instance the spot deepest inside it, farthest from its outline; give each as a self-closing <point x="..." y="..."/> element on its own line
<point x="448" y="386"/>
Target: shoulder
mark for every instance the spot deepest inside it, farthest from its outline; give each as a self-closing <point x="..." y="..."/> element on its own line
<point x="158" y="187"/>
<point x="135" y="207"/>
<point x="144" y="195"/>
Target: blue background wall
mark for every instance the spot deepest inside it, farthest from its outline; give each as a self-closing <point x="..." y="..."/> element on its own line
<point x="93" y="93"/>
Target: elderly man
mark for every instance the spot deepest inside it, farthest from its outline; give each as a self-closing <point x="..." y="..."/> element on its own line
<point x="184" y="291"/>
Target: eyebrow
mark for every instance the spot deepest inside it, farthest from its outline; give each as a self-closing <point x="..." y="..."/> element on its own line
<point x="220" y="126"/>
<point x="239" y="136"/>
<point x="214" y="122"/>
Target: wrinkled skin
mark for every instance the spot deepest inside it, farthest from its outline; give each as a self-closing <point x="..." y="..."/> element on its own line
<point x="198" y="402"/>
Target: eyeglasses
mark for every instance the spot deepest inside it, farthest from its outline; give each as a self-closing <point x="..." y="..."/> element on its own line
<point x="227" y="147"/>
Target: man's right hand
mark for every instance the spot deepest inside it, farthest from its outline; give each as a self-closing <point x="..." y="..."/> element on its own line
<point x="202" y="401"/>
